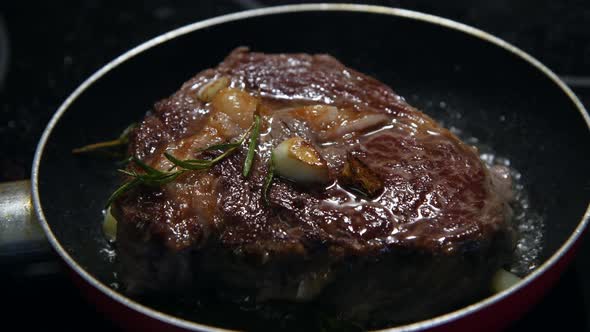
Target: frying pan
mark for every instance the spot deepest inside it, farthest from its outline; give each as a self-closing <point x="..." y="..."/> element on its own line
<point x="489" y="88"/>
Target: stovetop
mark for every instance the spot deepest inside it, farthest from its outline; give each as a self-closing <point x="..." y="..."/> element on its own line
<point x="47" y="50"/>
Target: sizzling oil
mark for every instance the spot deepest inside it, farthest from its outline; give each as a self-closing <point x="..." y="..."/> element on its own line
<point x="529" y="224"/>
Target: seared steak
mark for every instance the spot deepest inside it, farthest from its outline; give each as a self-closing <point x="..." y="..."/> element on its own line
<point x="407" y="224"/>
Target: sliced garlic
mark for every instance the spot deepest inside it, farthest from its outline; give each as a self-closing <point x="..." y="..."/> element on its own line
<point x="319" y="117"/>
<point x="299" y="161"/>
<point x="109" y="226"/>
<point x="238" y="104"/>
<point x="210" y="89"/>
<point x="503" y="279"/>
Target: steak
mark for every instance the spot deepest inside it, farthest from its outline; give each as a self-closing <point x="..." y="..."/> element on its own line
<point x="424" y="239"/>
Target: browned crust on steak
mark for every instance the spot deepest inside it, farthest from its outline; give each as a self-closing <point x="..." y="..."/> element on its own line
<point x="438" y="199"/>
<point x="422" y="172"/>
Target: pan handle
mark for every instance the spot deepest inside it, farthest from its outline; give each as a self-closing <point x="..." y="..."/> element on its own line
<point x="22" y="240"/>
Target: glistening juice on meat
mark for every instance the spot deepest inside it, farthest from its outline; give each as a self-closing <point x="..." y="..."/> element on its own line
<point x="375" y="212"/>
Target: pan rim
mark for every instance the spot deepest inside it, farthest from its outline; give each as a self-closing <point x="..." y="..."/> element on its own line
<point x="367" y="9"/>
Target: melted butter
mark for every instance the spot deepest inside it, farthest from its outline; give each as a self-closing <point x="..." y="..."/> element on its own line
<point x="528" y="223"/>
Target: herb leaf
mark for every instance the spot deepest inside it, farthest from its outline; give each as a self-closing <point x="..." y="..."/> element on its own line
<point x="155" y="177"/>
<point x="98" y="146"/>
<point x="252" y="146"/>
<point x="124" y="137"/>
<point x="121" y="190"/>
<point x="122" y="140"/>
<point x="148" y="169"/>
<point x="152" y="177"/>
<point x="192" y="164"/>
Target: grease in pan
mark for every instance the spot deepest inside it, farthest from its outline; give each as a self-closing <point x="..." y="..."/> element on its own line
<point x="376" y="214"/>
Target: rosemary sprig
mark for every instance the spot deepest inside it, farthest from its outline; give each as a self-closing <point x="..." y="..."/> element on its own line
<point x="252" y="146"/>
<point x="121" y="190"/>
<point x="155" y="177"/>
<point x="151" y="177"/>
<point x="122" y="140"/>
<point x="199" y="164"/>
<point x="192" y="164"/>
<point x="148" y="169"/>
<point x="268" y="180"/>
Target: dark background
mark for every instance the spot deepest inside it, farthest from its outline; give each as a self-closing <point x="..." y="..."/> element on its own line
<point x="49" y="48"/>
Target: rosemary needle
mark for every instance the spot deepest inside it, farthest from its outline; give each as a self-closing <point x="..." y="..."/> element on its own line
<point x="155" y="177"/>
<point x="121" y="190"/>
<point x="252" y="146"/>
<point x="151" y="177"/>
<point x="122" y="140"/>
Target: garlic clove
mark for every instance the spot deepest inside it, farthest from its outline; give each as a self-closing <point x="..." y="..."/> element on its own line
<point x="503" y="280"/>
<point x="297" y="160"/>
<point x="238" y="104"/>
<point x="109" y="226"/>
<point x="211" y="88"/>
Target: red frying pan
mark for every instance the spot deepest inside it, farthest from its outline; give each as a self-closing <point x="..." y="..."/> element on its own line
<point x="503" y="96"/>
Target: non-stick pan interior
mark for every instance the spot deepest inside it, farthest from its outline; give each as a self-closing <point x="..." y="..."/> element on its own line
<point x="460" y="79"/>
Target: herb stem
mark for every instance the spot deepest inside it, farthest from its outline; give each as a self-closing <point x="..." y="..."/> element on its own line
<point x="252" y="146"/>
<point x="121" y="190"/>
<point x="97" y="146"/>
<point x="122" y="140"/>
<point x="155" y="177"/>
